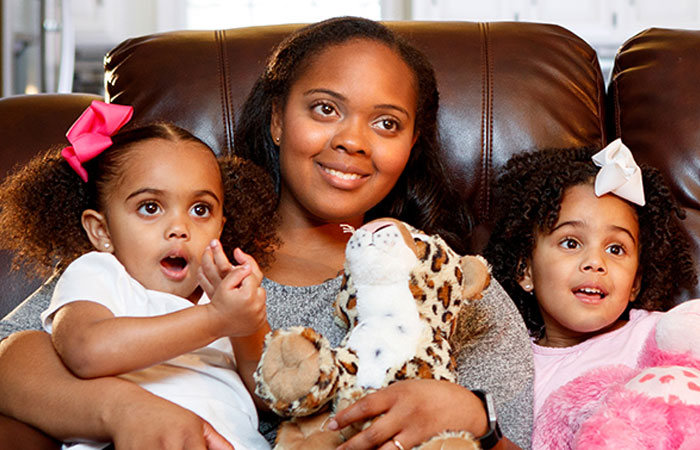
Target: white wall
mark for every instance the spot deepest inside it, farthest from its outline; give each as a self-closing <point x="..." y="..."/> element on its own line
<point x="599" y="21"/>
<point x="108" y="22"/>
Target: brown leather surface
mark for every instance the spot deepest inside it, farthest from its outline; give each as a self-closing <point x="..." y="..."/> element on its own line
<point x="654" y="99"/>
<point x="31" y="123"/>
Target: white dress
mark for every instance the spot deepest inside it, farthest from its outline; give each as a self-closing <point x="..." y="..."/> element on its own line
<point x="204" y="381"/>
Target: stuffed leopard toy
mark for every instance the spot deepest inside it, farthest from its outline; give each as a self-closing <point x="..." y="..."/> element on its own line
<point x="400" y="296"/>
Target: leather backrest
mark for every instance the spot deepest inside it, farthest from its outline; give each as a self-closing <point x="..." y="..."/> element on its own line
<point x="654" y="99"/>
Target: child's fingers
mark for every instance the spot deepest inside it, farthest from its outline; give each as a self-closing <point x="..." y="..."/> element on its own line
<point x="244" y="258"/>
<point x="220" y="259"/>
<point x="209" y="269"/>
<point x="214" y="440"/>
<point x="236" y="276"/>
<point x="205" y="284"/>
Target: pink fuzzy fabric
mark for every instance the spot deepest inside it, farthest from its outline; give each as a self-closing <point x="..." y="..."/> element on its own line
<point x="627" y="420"/>
<point x="595" y="411"/>
<point x="571" y="405"/>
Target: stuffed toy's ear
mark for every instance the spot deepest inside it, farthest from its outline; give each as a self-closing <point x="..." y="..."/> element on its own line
<point x="384" y="222"/>
<point x="678" y="330"/>
<point x="477" y="276"/>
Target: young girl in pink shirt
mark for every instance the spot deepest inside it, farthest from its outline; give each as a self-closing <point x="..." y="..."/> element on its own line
<point x="588" y="244"/>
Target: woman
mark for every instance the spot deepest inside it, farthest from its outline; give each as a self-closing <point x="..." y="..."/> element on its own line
<point x="348" y="145"/>
<point x="344" y="118"/>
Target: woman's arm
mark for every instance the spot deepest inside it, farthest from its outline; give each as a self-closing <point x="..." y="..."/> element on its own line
<point x="493" y="353"/>
<point x="414" y="411"/>
<point x="20" y="436"/>
<point x="36" y="388"/>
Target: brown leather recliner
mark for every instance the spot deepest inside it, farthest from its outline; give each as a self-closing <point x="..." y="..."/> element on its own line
<point x="505" y="87"/>
<point x="654" y="105"/>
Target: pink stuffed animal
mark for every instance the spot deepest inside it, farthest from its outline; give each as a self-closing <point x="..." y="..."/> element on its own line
<point x="653" y="406"/>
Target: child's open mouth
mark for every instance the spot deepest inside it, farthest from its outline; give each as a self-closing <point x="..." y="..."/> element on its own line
<point x="590" y="295"/>
<point x="174" y="267"/>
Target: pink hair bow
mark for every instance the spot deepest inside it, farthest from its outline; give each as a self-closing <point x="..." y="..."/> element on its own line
<point x="619" y="173"/>
<point x="92" y="133"/>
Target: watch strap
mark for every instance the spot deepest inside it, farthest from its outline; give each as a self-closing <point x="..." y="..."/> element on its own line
<point x="493" y="434"/>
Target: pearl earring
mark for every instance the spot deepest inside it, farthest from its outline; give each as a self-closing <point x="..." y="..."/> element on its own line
<point x="277" y="140"/>
<point x="527" y="287"/>
<point x="106" y="244"/>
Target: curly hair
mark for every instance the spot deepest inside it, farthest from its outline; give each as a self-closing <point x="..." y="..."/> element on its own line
<point x="415" y="198"/>
<point x="529" y="193"/>
<point x="42" y="203"/>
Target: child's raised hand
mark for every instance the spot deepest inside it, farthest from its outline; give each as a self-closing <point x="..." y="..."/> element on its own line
<point x="235" y="291"/>
<point x="215" y="267"/>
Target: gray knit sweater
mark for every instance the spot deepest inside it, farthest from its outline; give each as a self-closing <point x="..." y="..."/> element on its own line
<point x="492" y="345"/>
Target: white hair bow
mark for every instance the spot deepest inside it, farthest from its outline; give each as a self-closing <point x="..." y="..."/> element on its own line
<point x="618" y="173"/>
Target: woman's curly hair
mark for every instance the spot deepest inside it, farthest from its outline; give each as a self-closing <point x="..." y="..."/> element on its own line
<point x="528" y="196"/>
<point x="42" y="203"/>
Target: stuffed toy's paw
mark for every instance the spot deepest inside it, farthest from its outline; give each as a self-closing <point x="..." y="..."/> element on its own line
<point x="451" y="440"/>
<point x="307" y="433"/>
<point x="296" y="374"/>
<point x="477" y="276"/>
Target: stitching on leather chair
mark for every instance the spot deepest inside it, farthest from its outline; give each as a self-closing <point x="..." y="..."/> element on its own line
<point x="484" y="200"/>
<point x="225" y="94"/>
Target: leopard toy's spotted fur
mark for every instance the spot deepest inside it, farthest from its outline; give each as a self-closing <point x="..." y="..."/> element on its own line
<point x="401" y="293"/>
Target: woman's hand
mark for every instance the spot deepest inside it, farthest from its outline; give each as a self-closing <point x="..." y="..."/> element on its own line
<point x="413" y="412"/>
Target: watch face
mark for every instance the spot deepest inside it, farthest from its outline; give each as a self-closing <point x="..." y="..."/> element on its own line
<point x="490" y="408"/>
